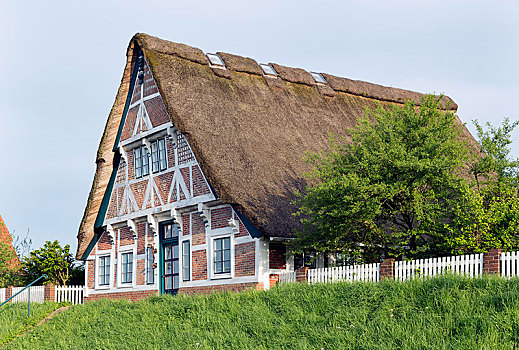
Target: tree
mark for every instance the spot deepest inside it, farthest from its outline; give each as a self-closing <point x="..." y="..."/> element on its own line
<point x="390" y="189"/>
<point x="52" y="259"/>
<point x="487" y="216"/>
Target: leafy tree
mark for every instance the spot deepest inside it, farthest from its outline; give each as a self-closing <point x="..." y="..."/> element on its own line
<point x="390" y="189"/>
<point x="488" y="215"/>
<point x="52" y="259"/>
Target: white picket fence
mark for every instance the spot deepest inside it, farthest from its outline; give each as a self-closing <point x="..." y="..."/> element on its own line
<point x="287" y="277"/>
<point x="366" y="272"/>
<point x="73" y="294"/>
<point x="470" y="265"/>
<point x="510" y="264"/>
<point x="37" y="294"/>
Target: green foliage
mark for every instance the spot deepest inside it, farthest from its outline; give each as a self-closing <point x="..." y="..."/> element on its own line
<point x="446" y="312"/>
<point x="388" y="191"/>
<point x="487" y="216"/>
<point x="52" y="259"/>
<point x="9" y="273"/>
<point x="14" y="320"/>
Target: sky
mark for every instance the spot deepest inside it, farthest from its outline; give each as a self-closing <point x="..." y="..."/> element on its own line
<point x="61" y="63"/>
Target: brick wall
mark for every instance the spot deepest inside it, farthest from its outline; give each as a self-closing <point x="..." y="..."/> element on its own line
<point x="244" y="257"/>
<point x="91" y="274"/>
<point x="236" y="287"/>
<point x="125" y="236"/>
<point x="220" y="217"/>
<point x="199" y="265"/>
<point x="277" y="255"/>
<point x="200" y="187"/>
<point x="130" y="295"/>
<point x="198" y="227"/>
<point x="186" y="225"/>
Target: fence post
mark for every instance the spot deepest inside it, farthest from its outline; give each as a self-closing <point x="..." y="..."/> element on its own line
<point x="301" y="274"/>
<point x="492" y="262"/>
<point x="50" y="292"/>
<point x="274" y="279"/>
<point x="8" y="292"/>
<point x="387" y="269"/>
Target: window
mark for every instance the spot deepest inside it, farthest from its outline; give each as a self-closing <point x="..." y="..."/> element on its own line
<point x="150" y="260"/>
<point x="222" y="255"/>
<point x="268" y="69"/>
<point x="158" y="155"/>
<point x="318" y="77"/>
<point x="126" y="267"/>
<point x="186" y="261"/>
<point x="215" y="59"/>
<point x="141" y="162"/>
<point x="104" y="270"/>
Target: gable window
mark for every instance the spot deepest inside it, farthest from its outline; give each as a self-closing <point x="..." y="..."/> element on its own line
<point x="126" y="267"/>
<point x="158" y="155"/>
<point x="222" y="255"/>
<point x="142" y="167"/>
<point x="186" y="261"/>
<point x="150" y="260"/>
<point x="104" y="270"/>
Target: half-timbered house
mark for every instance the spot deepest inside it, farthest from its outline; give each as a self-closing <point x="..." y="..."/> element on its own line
<point x="198" y="165"/>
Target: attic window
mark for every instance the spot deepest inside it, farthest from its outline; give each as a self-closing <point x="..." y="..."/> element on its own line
<point x="268" y="69"/>
<point x="318" y="78"/>
<point x="215" y="60"/>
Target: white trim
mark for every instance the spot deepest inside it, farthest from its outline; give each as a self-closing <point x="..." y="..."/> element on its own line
<point x="149" y="97"/>
<point x="211" y="236"/>
<point x="125" y="290"/>
<point x="130" y="248"/>
<point x="198" y="247"/>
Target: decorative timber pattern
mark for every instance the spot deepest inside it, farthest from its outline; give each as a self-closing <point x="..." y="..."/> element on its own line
<point x="181" y="183"/>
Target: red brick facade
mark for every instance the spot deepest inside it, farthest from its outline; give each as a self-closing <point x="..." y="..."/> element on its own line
<point x="277" y="255"/>
<point x="130" y="295"/>
<point x="235" y="287"/>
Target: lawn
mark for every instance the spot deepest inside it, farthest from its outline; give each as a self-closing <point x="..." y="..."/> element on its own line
<point x="14" y="321"/>
<point x="438" y="313"/>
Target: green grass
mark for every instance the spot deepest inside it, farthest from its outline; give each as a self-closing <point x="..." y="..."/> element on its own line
<point x="14" y="320"/>
<point x="442" y="313"/>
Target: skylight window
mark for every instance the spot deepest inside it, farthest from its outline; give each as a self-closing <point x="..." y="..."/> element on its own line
<point x="215" y="59"/>
<point x="318" y="78"/>
<point x="268" y="69"/>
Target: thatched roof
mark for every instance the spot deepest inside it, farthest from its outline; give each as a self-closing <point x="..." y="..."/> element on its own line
<point x="248" y="131"/>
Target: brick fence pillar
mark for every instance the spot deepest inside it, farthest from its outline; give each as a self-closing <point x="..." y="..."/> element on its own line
<point x="387" y="269"/>
<point x="8" y="292"/>
<point x="301" y="274"/>
<point x="50" y="292"/>
<point x="274" y="279"/>
<point x="492" y="262"/>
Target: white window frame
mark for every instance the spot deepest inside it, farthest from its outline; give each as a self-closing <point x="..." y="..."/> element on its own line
<point x="190" y="261"/>
<point x="156" y="145"/>
<point x="101" y="254"/>
<point x="227" y="233"/>
<point x="140" y="149"/>
<point x="123" y="250"/>
<point x="146" y="264"/>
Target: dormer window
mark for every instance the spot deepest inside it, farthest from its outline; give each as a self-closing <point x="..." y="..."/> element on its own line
<point x="215" y="60"/>
<point x="159" y="160"/>
<point x="318" y="78"/>
<point x="268" y="69"/>
<point x="142" y="163"/>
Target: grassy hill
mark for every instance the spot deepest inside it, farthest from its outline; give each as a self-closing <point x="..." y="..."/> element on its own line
<point x="440" y="313"/>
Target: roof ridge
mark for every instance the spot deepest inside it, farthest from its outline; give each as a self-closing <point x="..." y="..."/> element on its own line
<point x="289" y="74"/>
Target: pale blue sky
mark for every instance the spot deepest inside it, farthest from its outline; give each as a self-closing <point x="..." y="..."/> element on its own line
<point x="61" y="64"/>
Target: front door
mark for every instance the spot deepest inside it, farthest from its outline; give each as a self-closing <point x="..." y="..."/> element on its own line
<point x="169" y="258"/>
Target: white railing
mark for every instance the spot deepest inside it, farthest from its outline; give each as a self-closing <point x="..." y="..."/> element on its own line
<point x="74" y="294"/>
<point x="37" y="294"/>
<point x="510" y="264"/>
<point x="2" y="295"/>
<point x="470" y="265"/>
<point x="287" y="277"/>
<point x="366" y="272"/>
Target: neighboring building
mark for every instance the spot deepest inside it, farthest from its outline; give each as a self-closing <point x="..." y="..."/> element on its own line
<point x="5" y="237"/>
<point x="197" y="168"/>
